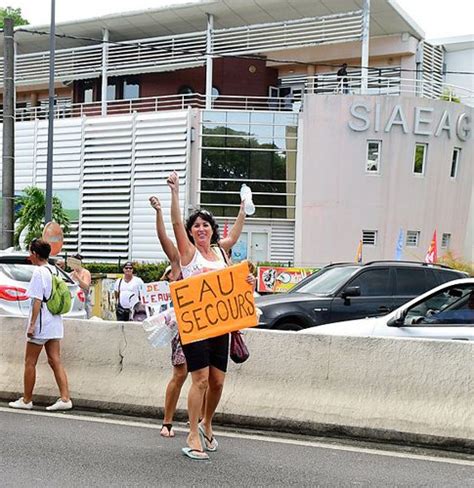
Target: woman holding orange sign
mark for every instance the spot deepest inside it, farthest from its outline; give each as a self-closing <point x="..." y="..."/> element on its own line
<point x="207" y="359"/>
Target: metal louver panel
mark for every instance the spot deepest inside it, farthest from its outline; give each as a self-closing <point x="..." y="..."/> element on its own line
<point x="106" y="188"/>
<point x="282" y="242"/>
<point x="161" y="146"/>
<point x="433" y="68"/>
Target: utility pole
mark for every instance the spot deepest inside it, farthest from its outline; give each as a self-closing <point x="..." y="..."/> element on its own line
<point x="49" y="160"/>
<point x="8" y="152"/>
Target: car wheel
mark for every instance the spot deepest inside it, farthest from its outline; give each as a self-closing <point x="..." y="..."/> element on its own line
<point x="288" y="326"/>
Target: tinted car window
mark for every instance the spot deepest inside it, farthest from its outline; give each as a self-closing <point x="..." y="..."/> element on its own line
<point x="326" y="282"/>
<point x="373" y="282"/>
<point x="447" y="275"/>
<point x="411" y="281"/>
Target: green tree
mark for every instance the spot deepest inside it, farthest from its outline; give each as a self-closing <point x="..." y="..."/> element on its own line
<point x="13" y="13"/>
<point x="30" y="215"/>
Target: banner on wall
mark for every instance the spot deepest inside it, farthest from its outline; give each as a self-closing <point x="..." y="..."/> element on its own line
<point x="272" y="279"/>
<point x="215" y="303"/>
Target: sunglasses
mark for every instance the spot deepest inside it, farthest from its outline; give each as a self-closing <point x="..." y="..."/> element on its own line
<point x="127" y="267"/>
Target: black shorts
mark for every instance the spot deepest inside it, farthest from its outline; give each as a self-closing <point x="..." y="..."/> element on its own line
<point x="209" y="352"/>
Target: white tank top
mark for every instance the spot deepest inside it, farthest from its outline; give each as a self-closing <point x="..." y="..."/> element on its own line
<point x="199" y="264"/>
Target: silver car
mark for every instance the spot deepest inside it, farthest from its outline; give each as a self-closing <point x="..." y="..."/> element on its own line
<point x="445" y="312"/>
<point x="15" y="274"/>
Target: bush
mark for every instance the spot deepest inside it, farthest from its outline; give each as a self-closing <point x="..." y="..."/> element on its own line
<point x="456" y="263"/>
<point x="148" y="272"/>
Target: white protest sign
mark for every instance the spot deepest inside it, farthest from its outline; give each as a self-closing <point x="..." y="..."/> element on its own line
<point x="156" y="295"/>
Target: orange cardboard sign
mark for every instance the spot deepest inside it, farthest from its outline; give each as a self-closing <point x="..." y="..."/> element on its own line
<point x="215" y="303"/>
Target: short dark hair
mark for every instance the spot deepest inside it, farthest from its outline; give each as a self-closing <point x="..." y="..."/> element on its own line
<point x="41" y="248"/>
<point x="208" y="217"/>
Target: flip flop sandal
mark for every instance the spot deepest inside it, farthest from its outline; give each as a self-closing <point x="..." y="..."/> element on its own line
<point x="167" y="430"/>
<point x="195" y="454"/>
<point x="209" y="444"/>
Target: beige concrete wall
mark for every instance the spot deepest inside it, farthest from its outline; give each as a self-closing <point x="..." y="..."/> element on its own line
<point x="384" y="51"/>
<point x="416" y="389"/>
<point x="339" y="199"/>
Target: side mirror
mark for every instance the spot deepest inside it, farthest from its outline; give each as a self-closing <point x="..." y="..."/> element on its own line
<point x="397" y="320"/>
<point x="351" y="291"/>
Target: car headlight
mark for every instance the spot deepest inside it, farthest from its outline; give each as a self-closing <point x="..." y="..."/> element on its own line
<point x="259" y="312"/>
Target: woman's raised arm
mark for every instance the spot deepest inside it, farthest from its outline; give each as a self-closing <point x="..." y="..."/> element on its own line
<point x="185" y="247"/>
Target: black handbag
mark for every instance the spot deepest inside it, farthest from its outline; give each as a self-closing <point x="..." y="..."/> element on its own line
<point x="239" y="352"/>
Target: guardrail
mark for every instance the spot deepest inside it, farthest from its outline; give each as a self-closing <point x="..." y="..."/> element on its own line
<point x="388" y="85"/>
<point x="155" y="104"/>
<point x="319" y="85"/>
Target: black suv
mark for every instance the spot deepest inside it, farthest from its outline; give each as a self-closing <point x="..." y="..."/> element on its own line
<point x="346" y="291"/>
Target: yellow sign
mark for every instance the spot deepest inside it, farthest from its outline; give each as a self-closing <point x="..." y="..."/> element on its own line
<point x="215" y="303"/>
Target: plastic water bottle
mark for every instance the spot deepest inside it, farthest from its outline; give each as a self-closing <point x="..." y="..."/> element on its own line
<point x="246" y="196"/>
<point x="161" y="336"/>
<point x="162" y="328"/>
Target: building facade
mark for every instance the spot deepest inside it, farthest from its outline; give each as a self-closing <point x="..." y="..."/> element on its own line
<point x="254" y="99"/>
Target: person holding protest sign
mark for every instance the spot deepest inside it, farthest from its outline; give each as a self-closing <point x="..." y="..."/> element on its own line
<point x="82" y="277"/>
<point x="207" y="359"/>
<point x="173" y="273"/>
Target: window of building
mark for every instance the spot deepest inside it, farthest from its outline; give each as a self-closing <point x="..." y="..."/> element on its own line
<point x="420" y="159"/>
<point x="86" y="92"/>
<point x="446" y="241"/>
<point x="369" y="237"/>
<point x="413" y="238"/>
<point x="254" y="148"/>
<point x="112" y="91"/>
<point x="131" y="89"/>
<point x="373" y="156"/>
<point x="455" y="162"/>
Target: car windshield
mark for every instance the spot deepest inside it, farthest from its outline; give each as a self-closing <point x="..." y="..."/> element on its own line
<point x="326" y="281"/>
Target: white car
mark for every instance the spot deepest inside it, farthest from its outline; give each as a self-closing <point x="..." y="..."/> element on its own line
<point x="445" y="312"/>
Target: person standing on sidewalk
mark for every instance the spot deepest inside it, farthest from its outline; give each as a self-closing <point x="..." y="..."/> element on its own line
<point x="127" y="292"/>
<point x="44" y="330"/>
<point x="173" y="273"/>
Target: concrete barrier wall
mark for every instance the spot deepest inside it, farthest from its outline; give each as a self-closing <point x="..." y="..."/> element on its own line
<point x="383" y="388"/>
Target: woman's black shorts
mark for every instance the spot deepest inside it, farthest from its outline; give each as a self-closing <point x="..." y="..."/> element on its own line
<point x="209" y="352"/>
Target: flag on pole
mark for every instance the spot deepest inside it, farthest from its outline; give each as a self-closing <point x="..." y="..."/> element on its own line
<point x="358" y="258"/>
<point x="399" y="248"/>
<point x="432" y="254"/>
<point x="225" y="230"/>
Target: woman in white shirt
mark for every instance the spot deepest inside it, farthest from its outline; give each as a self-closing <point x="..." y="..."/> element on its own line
<point x="44" y="329"/>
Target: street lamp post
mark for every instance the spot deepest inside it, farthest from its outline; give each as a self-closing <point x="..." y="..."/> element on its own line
<point x="49" y="160"/>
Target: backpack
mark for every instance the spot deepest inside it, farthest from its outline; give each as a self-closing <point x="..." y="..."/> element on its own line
<point x="59" y="302"/>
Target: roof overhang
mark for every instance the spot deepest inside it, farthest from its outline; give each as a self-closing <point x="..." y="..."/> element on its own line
<point x="386" y="18"/>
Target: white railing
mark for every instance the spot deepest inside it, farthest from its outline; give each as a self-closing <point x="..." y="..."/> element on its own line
<point x="327" y="85"/>
<point x="392" y="85"/>
<point x="185" y="50"/>
<point x="155" y="104"/>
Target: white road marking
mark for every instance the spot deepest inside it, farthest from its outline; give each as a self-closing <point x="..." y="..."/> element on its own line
<point x="253" y="437"/>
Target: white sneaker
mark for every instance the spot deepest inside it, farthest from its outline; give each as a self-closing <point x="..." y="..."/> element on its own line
<point x="60" y="405"/>
<point x="21" y="404"/>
